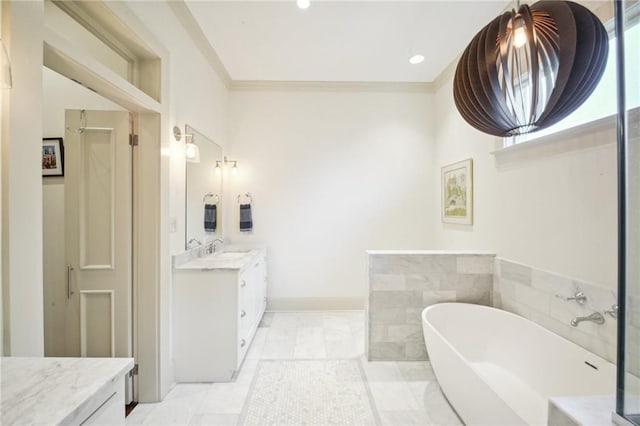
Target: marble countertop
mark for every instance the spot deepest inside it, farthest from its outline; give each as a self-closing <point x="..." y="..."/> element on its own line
<point x="229" y="259"/>
<point x="587" y="410"/>
<point x="54" y="390"/>
<point x="432" y="252"/>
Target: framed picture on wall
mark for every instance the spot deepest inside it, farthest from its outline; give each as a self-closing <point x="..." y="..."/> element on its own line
<point x="457" y="193"/>
<point x="52" y="157"/>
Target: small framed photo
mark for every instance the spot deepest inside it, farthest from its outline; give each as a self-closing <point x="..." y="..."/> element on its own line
<point x="52" y="157"/>
<point x="457" y="193"/>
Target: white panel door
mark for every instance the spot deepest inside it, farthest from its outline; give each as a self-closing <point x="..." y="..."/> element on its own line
<point x="98" y="228"/>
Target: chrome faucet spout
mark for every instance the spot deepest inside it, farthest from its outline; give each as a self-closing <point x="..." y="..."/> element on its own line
<point x="594" y="317"/>
<point x="215" y="243"/>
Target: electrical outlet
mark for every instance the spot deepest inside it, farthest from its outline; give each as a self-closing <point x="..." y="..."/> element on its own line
<point x="173" y="225"/>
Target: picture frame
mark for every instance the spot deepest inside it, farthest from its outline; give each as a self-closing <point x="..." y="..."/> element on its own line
<point x="52" y="157"/>
<point x="457" y="193"/>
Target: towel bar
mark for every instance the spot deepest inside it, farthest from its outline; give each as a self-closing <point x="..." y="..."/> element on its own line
<point x="212" y="195"/>
<point x="248" y="195"/>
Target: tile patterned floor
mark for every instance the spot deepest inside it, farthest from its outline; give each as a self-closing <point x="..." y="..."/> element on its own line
<point x="403" y="393"/>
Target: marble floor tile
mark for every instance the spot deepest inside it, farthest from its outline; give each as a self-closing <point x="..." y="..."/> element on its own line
<point x="382" y="371"/>
<point x="267" y="319"/>
<point x="343" y="349"/>
<point x="224" y="398"/>
<point x="255" y="350"/>
<point x="314" y="319"/>
<point x="284" y="320"/>
<point x="278" y="349"/>
<point x="281" y="333"/>
<point x="432" y="400"/>
<point x="404" y="417"/>
<point x="139" y="414"/>
<point x="413" y="371"/>
<point x="393" y="396"/>
<point x="310" y="343"/>
<point x="337" y="333"/>
<point x="247" y="371"/>
<point x="215" y="420"/>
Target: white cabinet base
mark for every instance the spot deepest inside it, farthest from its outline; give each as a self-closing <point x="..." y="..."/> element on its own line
<point x="216" y="314"/>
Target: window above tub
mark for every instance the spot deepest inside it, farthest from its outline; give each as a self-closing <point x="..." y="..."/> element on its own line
<point x="600" y="109"/>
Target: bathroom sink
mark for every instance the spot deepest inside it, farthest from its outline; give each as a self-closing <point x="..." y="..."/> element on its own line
<point x="229" y="255"/>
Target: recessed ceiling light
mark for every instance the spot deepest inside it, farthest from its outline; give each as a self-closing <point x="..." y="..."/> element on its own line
<point x="416" y="59"/>
<point x="303" y="4"/>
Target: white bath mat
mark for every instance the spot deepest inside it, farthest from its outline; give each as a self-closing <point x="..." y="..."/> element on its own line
<point x="314" y="392"/>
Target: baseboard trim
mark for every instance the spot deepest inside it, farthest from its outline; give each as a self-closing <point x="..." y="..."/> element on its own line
<point x="291" y="304"/>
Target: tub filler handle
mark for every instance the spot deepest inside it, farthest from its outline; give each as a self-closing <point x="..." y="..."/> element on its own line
<point x="613" y="312"/>
<point x="579" y="297"/>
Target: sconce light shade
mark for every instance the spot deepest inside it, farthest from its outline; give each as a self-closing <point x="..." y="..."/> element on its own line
<point x="192" y="152"/>
<point x="529" y="69"/>
<point x="5" y="68"/>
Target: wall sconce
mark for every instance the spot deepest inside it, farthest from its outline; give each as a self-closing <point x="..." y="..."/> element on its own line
<point x="5" y="66"/>
<point x="223" y="163"/>
<point x="191" y="150"/>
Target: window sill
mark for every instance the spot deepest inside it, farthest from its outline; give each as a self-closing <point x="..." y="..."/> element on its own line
<point x="590" y="135"/>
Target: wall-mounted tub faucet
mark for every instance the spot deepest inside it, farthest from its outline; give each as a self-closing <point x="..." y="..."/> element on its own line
<point x="594" y="317"/>
<point x="613" y="312"/>
<point x="579" y="297"/>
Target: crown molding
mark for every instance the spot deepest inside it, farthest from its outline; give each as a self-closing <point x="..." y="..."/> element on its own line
<point x="200" y="40"/>
<point x="354" y="86"/>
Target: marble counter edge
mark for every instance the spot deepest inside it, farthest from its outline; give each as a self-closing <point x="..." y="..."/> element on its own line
<point x="586" y="410"/>
<point x="66" y="415"/>
<point x="225" y="265"/>
<point x="430" y="252"/>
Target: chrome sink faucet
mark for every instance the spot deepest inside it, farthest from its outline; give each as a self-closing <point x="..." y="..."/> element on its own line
<point x="594" y="317"/>
<point x="216" y="243"/>
<point x="194" y="240"/>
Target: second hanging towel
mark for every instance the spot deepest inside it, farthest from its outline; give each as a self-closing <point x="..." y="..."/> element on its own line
<point x="246" y="220"/>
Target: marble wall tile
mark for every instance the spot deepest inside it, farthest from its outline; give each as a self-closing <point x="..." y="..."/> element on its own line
<point x="405" y="332"/>
<point x="401" y="285"/>
<point x="515" y="272"/>
<point x="388" y="316"/>
<point x="474" y="265"/>
<point x="415" y="350"/>
<point x="388" y="282"/>
<point x="422" y="282"/>
<point x="432" y="297"/>
<point x="541" y="297"/>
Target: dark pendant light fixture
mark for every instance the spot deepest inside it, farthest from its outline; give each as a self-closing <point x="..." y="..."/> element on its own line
<point x="529" y="69"/>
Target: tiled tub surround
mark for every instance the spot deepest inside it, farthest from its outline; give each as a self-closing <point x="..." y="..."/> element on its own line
<point x="540" y="296"/>
<point x="402" y="283"/>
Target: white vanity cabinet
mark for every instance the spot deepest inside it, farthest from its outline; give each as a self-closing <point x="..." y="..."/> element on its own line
<point x="218" y="305"/>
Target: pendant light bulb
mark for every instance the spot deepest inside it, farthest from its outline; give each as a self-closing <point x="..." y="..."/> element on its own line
<point x="519" y="37"/>
<point x="303" y="4"/>
<point x="218" y="168"/>
<point x="234" y="169"/>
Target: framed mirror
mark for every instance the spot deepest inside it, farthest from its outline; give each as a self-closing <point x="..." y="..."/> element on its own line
<point x="203" y="194"/>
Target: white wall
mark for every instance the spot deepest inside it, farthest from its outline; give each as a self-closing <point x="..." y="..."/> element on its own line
<point x="197" y="97"/>
<point x="555" y="212"/>
<point x="21" y="182"/>
<point x="332" y="173"/>
<point x="59" y="93"/>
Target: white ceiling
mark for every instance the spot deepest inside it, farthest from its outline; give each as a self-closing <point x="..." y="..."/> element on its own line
<point x="363" y="41"/>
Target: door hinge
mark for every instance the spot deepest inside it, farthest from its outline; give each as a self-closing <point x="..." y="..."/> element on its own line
<point x="133" y="371"/>
<point x="133" y="140"/>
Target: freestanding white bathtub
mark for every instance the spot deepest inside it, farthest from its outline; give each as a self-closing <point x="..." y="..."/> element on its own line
<point x="497" y="368"/>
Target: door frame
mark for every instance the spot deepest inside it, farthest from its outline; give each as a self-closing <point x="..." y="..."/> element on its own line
<point x="150" y="247"/>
